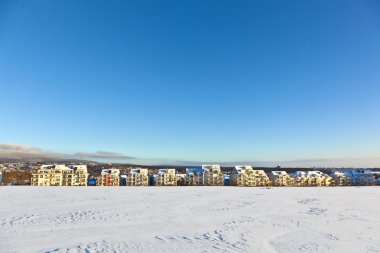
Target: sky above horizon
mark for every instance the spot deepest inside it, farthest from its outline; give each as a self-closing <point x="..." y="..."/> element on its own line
<point x="217" y="81"/>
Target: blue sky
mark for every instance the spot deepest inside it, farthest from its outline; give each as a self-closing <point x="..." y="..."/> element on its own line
<point x="193" y="80"/>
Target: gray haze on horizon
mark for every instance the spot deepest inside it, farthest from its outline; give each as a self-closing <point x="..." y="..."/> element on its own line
<point x="25" y="152"/>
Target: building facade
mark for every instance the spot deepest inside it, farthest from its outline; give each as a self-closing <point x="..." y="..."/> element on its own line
<point x="312" y="178"/>
<point x="281" y="178"/>
<point x="361" y="177"/>
<point x="110" y="177"/>
<point x="300" y="178"/>
<point x="212" y="175"/>
<point x="80" y="175"/>
<point x="137" y="177"/>
<point x="341" y="178"/>
<point x="166" y="177"/>
<point x="194" y="177"/>
<point x="244" y="175"/>
<point x="318" y="178"/>
<point x="60" y="175"/>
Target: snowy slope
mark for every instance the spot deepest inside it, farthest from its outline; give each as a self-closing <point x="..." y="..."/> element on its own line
<point x="189" y="219"/>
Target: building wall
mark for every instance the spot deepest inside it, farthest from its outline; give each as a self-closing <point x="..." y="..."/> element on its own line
<point x="212" y="175"/>
<point x="312" y="178"/>
<point x="138" y="177"/>
<point x="60" y="175"/>
<point x="166" y="177"/>
<point x="281" y="178"/>
<point x="110" y="177"/>
<point x="362" y="177"/>
<point x="246" y="176"/>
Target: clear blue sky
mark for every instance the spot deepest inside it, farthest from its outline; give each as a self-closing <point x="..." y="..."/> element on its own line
<point x="192" y="80"/>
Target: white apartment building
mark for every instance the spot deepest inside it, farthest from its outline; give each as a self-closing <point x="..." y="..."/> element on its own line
<point x="244" y="175"/>
<point x="166" y="177"/>
<point x="60" y="175"/>
<point x="212" y="175"/>
<point x="138" y="177"/>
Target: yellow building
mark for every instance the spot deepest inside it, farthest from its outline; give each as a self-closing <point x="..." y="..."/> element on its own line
<point x="300" y="178"/>
<point x="110" y="177"/>
<point x="212" y="175"/>
<point x="80" y="175"/>
<point x="60" y="175"/>
<point x="246" y="176"/>
<point x="137" y="177"/>
<point x="312" y="178"/>
<point x="318" y="178"/>
<point x="341" y="178"/>
<point x="280" y="178"/>
<point x="166" y="177"/>
<point x="194" y="177"/>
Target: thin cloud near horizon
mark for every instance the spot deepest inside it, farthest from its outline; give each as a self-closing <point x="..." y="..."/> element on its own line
<point x="22" y="151"/>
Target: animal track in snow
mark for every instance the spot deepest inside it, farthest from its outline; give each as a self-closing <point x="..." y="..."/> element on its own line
<point x="317" y="211"/>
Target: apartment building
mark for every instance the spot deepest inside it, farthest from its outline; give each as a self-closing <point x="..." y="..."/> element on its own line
<point x="341" y="178"/>
<point x="244" y="175"/>
<point x="281" y="178"/>
<point x="166" y="177"/>
<point x="312" y="178"/>
<point x="300" y="178"/>
<point x="110" y="177"/>
<point x="212" y="175"/>
<point x="80" y="175"/>
<point x="181" y="179"/>
<point x="361" y="177"/>
<point x="137" y="177"/>
<point x="328" y="180"/>
<point x="60" y="175"/>
<point x="318" y="178"/>
<point x="194" y="177"/>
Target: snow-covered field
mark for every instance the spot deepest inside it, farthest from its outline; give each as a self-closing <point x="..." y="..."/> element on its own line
<point x="189" y="219"/>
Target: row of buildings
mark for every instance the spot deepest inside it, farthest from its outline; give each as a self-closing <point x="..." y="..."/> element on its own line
<point x="207" y="175"/>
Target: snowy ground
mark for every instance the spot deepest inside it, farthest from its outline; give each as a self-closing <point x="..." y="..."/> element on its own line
<point x="189" y="219"/>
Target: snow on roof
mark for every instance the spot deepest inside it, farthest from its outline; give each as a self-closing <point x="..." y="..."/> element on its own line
<point x="358" y="172"/>
<point x="278" y="172"/>
<point x="299" y="174"/>
<point x="210" y="166"/>
<point x="355" y="172"/>
<point x="194" y="170"/>
<point x="110" y="171"/>
<point x="80" y="166"/>
<point x="139" y="170"/>
<point x="315" y="173"/>
<point x="338" y="173"/>
<point x="55" y="167"/>
<point x="160" y="171"/>
<point x="243" y="167"/>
